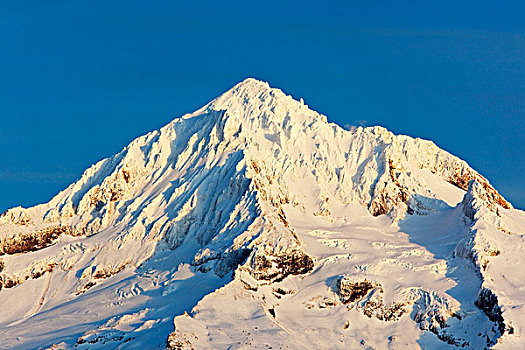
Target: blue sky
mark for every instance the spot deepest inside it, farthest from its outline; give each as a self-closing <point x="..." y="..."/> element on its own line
<point x="80" y="79"/>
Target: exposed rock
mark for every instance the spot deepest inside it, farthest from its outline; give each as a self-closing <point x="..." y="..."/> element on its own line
<point x="276" y="268"/>
<point x="13" y="280"/>
<point x="350" y="291"/>
<point x="481" y="195"/>
<point x="480" y="204"/>
<point x="280" y="292"/>
<point x="375" y="308"/>
<point x="179" y="340"/>
<point x="492" y="196"/>
<point x="85" y="287"/>
<point x="110" y="337"/>
<point x="28" y="242"/>
<point x="367" y="296"/>
<point x="388" y="193"/>
<point x="102" y="273"/>
<point x="488" y="302"/>
<point x="174" y="343"/>
<point x="393" y="190"/>
<point x="430" y="311"/>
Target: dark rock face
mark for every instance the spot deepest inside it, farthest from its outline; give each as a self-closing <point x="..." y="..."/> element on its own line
<point x="389" y="312"/>
<point x="390" y="194"/>
<point x="276" y="268"/>
<point x="349" y="291"/>
<point x="102" y="340"/>
<point x="178" y="340"/>
<point x="379" y="206"/>
<point x="229" y="261"/>
<point x="279" y="292"/>
<point x="296" y="263"/>
<point x="460" y="180"/>
<point x="369" y="296"/>
<point x="175" y="344"/>
<point x="29" y="242"/>
<point x="108" y="273"/>
<point x="488" y="303"/>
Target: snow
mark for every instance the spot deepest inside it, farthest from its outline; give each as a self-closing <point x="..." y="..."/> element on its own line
<point x="165" y="237"/>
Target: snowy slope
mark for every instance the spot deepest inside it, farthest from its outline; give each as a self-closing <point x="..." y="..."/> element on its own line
<point x="255" y="223"/>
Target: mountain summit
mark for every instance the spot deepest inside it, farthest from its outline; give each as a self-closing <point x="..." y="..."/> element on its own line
<point x="255" y="223"/>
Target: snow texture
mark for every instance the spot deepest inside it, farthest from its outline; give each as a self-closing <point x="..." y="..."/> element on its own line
<point x="255" y="223"/>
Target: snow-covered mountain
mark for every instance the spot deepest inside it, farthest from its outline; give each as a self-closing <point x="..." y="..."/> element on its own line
<point x="253" y="223"/>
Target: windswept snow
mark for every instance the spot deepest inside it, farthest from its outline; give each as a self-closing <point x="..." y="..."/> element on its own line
<point x="255" y="223"/>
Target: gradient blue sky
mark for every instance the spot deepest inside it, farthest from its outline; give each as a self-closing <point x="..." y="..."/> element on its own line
<point x="79" y="79"/>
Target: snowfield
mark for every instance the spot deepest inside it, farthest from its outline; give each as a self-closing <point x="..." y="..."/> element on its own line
<point x="253" y="223"/>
